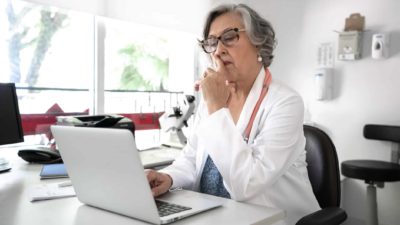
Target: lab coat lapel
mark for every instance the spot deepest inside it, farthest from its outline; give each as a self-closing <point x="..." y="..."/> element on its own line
<point x="201" y="156"/>
<point x="250" y="103"/>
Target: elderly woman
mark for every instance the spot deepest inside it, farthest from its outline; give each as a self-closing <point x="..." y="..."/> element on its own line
<point x="247" y="143"/>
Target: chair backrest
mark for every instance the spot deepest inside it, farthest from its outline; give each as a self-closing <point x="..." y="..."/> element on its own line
<point x="382" y="132"/>
<point x="323" y="167"/>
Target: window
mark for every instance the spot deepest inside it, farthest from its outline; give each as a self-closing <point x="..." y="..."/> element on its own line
<point x="50" y="55"/>
<point x="140" y="67"/>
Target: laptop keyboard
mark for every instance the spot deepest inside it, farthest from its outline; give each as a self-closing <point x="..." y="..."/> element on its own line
<point x="165" y="208"/>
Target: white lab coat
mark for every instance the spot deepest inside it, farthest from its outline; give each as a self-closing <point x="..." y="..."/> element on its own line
<point x="270" y="170"/>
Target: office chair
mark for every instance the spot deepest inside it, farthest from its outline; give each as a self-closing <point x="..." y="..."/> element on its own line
<point x="375" y="172"/>
<point x="323" y="171"/>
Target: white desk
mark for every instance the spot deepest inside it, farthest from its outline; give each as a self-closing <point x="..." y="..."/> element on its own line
<point x="16" y="208"/>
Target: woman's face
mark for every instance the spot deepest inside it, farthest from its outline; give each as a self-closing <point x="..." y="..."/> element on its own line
<point x="240" y="59"/>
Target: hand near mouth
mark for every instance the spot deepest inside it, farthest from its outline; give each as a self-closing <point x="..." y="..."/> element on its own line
<point x="220" y="66"/>
<point x="215" y="86"/>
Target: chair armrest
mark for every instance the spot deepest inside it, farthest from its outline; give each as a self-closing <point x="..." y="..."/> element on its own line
<point x="326" y="216"/>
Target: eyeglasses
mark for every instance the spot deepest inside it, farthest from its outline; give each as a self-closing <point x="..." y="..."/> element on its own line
<point x="228" y="38"/>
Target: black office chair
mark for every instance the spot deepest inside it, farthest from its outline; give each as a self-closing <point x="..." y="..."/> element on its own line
<point x="375" y="172"/>
<point x="323" y="171"/>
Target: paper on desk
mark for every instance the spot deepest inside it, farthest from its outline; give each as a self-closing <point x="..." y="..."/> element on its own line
<point x="51" y="191"/>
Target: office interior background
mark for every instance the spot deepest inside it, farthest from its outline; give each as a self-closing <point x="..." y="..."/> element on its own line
<point x="100" y="44"/>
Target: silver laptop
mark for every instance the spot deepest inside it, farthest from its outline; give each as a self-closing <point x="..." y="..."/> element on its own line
<point x="106" y="172"/>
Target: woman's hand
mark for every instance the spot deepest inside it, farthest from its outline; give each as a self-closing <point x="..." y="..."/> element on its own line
<point x="159" y="182"/>
<point x="215" y="87"/>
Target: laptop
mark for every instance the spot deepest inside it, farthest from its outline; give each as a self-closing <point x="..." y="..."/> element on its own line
<point x="106" y="172"/>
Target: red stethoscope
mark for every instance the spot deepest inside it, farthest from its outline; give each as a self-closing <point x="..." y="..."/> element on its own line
<point x="264" y="91"/>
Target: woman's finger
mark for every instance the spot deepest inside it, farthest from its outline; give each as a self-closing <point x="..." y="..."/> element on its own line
<point x="219" y="63"/>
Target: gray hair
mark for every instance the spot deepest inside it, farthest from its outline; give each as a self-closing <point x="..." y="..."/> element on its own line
<point x="259" y="30"/>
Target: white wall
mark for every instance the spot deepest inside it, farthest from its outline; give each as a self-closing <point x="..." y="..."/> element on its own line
<point x="365" y="91"/>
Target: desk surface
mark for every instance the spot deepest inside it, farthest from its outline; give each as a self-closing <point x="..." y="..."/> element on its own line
<point x="16" y="208"/>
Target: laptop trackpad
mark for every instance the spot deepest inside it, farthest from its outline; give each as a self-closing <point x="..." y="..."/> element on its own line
<point x="198" y="202"/>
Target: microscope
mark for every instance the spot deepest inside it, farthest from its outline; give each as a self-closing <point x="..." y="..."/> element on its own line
<point x="173" y="120"/>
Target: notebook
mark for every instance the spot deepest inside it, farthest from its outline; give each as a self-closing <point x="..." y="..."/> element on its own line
<point x="106" y="172"/>
<point x="53" y="171"/>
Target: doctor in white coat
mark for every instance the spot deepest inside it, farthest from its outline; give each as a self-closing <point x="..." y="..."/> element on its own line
<point x="247" y="143"/>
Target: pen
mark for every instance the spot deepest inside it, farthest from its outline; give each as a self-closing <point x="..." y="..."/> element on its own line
<point x="65" y="184"/>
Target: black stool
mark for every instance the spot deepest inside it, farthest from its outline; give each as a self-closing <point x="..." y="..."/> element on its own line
<point x="375" y="172"/>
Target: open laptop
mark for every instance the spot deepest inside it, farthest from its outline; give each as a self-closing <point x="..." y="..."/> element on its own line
<point x="106" y="172"/>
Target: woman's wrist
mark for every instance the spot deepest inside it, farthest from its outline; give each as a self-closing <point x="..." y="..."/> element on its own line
<point x="170" y="180"/>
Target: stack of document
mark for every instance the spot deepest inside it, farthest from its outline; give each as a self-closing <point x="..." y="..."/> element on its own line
<point x="51" y="191"/>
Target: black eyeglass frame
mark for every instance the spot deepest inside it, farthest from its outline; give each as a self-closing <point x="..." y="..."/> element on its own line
<point x="203" y="42"/>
